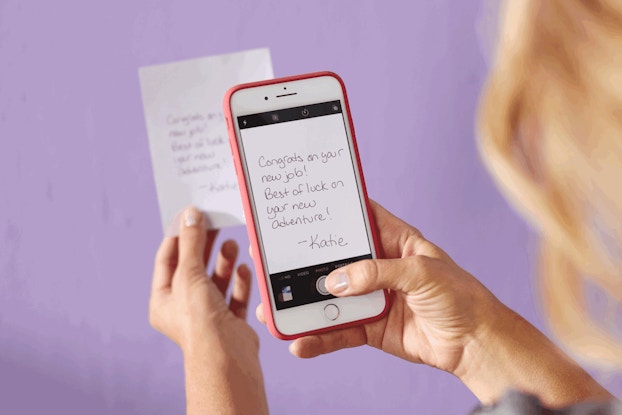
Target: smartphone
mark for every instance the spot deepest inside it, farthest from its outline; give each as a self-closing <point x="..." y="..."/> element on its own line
<point x="304" y="199"/>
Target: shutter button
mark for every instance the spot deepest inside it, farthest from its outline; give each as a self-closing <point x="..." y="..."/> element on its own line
<point x="320" y="285"/>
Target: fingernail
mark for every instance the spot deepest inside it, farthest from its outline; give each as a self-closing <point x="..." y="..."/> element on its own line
<point x="192" y="217"/>
<point x="337" y="283"/>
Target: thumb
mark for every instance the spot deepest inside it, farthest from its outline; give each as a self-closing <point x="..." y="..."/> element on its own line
<point x="192" y="239"/>
<point x="375" y="274"/>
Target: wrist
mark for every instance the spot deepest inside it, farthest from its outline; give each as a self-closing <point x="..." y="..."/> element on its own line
<point x="507" y="352"/>
<point x="483" y="367"/>
<point x="223" y="375"/>
<point x="199" y="341"/>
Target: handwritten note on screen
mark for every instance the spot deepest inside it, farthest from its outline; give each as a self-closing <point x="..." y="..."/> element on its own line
<point x="305" y="192"/>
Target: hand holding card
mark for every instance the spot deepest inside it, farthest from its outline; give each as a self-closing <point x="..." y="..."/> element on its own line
<point x="188" y="137"/>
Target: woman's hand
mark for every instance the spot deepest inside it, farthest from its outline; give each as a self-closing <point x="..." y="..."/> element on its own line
<point x="435" y="304"/>
<point x="443" y="317"/>
<point x="220" y="349"/>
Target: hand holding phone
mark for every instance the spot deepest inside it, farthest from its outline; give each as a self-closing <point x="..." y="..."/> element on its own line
<point x="304" y="198"/>
<point x="443" y="317"/>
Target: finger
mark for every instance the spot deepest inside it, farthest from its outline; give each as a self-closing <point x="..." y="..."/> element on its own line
<point x="399" y="239"/>
<point x="312" y="346"/>
<point x="192" y="240"/>
<point x="260" y="314"/>
<point x="250" y="251"/>
<point x="224" y="265"/>
<point x="363" y="277"/>
<point x="392" y="231"/>
<point x="241" y="292"/>
<point x="211" y="238"/>
<point x="165" y="264"/>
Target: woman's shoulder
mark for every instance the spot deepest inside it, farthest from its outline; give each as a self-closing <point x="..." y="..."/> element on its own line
<point x="517" y="403"/>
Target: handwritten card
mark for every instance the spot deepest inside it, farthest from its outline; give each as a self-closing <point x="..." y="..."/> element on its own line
<point x="188" y="139"/>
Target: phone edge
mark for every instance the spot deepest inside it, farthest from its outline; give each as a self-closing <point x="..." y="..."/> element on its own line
<point x="248" y="214"/>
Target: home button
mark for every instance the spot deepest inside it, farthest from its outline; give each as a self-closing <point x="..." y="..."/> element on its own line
<point x="331" y="311"/>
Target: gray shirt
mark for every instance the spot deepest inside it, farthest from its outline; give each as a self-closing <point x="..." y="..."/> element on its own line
<point x="516" y="403"/>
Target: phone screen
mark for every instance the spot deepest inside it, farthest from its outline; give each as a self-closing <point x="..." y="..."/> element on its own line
<point x="308" y="203"/>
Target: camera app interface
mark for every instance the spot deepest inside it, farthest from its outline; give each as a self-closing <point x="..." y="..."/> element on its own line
<point x="307" y="201"/>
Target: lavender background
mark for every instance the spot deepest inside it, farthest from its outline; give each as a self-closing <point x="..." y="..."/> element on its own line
<point x="79" y="221"/>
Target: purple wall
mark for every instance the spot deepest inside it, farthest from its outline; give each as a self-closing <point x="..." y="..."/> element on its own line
<point x="79" y="221"/>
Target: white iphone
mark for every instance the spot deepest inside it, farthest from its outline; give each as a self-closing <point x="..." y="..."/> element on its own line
<point x="304" y="199"/>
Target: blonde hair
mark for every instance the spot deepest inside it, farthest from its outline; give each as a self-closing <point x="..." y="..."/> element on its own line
<point x="551" y="134"/>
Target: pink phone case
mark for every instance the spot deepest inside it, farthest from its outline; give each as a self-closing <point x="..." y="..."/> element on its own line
<point x="250" y="222"/>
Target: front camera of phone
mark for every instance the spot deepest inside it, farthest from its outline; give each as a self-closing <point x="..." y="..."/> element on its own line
<point x="266" y="98"/>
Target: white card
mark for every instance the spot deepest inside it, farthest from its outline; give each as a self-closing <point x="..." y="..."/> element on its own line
<point x="190" y="152"/>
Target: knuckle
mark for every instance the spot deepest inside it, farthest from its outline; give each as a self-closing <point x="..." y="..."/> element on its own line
<point x="191" y="267"/>
<point x="418" y="262"/>
<point x="368" y="273"/>
<point x="420" y="265"/>
<point x="415" y="233"/>
<point x="191" y="240"/>
<point x="412" y="243"/>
